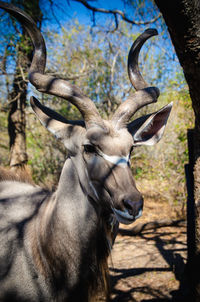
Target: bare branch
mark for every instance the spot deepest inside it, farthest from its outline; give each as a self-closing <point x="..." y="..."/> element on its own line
<point x="67" y="78"/>
<point x="52" y="11"/>
<point x="7" y="73"/>
<point x="116" y="13"/>
<point x="113" y="66"/>
<point x="3" y="67"/>
<point x="22" y="74"/>
<point x="4" y="60"/>
<point x="15" y="98"/>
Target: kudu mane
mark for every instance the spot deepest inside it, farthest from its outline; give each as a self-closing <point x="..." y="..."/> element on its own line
<point x="21" y="175"/>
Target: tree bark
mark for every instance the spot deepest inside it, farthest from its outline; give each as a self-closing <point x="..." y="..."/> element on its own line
<point x="17" y="97"/>
<point x="17" y="116"/>
<point x="183" y="20"/>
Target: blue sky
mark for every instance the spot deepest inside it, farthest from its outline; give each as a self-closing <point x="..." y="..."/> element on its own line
<point x="74" y="9"/>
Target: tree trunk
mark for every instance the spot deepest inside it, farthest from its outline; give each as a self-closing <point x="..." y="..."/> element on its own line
<point x="17" y="116"/>
<point x="17" y="97"/>
<point x="183" y="20"/>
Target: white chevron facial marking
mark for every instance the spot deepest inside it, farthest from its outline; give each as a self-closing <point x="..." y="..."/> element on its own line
<point x="121" y="161"/>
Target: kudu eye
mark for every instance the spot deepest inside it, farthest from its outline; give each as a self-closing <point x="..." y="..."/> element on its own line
<point x="90" y="148"/>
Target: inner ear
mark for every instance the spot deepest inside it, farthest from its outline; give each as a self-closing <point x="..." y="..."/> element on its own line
<point x="152" y="127"/>
<point x="149" y="129"/>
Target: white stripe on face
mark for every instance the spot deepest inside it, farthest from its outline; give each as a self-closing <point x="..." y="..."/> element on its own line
<point x="116" y="160"/>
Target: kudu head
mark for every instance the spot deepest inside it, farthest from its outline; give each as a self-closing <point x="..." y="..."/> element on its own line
<point x="100" y="149"/>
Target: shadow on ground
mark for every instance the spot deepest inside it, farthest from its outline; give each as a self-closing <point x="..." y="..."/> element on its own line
<point x="161" y="277"/>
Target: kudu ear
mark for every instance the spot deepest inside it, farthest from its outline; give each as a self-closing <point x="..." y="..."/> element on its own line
<point x="149" y="129"/>
<point x="54" y="122"/>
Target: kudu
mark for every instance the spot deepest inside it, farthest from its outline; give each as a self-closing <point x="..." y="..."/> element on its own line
<point x="54" y="245"/>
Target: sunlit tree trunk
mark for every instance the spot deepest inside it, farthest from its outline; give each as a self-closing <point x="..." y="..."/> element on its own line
<point x="18" y="94"/>
<point x="17" y="116"/>
<point x="183" y="20"/>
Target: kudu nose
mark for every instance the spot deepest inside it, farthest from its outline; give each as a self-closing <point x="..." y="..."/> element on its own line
<point x="134" y="207"/>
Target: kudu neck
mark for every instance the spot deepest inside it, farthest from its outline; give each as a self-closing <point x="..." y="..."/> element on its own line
<point x="72" y="194"/>
<point x="71" y="225"/>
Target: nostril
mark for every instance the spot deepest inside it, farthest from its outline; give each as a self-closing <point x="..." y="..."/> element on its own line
<point x="128" y="205"/>
<point x="134" y="208"/>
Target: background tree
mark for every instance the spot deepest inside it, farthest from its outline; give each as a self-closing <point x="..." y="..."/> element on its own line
<point x="183" y="21"/>
<point x="17" y="95"/>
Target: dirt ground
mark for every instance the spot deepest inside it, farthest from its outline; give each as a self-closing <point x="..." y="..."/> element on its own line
<point x="150" y="267"/>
